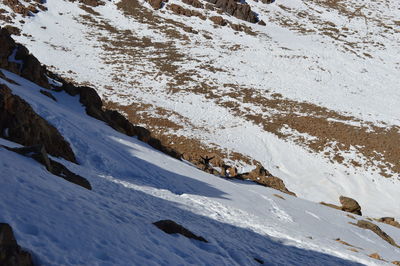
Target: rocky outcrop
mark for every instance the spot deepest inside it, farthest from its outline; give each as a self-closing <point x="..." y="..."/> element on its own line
<point x="19" y="123"/>
<point x="94" y="107"/>
<point x="171" y="227"/>
<point x="194" y="3"/>
<point x="261" y="176"/>
<point x="39" y="154"/>
<point x="377" y="230"/>
<point x="236" y="9"/>
<point x="11" y="254"/>
<point x="60" y="170"/>
<point x="350" y="205"/>
<point x="17" y="59"/>
<point x="218" y="20"/>
<point x="179" y="10"/>
<point x="389" y="220"/>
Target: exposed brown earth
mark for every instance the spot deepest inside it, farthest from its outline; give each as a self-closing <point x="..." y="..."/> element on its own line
<point x="327" y="128"/>
<point x="330" y="133"/>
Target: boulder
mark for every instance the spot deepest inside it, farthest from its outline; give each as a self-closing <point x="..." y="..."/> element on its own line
<point x="60" y="170"/>
<point x="19" y="123"/>
<point x="350" y="205"/>
<point x="218" y="20"/>
<point x="236" y="9"/>
<point x="262" y="23"/>
<point x="171" y="227"/>
<point x="11" y="253"/>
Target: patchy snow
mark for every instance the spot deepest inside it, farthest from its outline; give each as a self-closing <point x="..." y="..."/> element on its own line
<point x="134" y="186"/>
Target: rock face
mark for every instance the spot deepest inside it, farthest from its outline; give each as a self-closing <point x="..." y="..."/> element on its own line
<point x="19" y="123"/>
<point x="11" y="253"/>
<point x="377" y="230"/>
<point x="170" y="227"/>
<point x="350" y="205"/>
<point x="39" y="154"/>
<point x="17" y="59"/>
<point x="63" y="172"/>
<point x="236" y="9"/>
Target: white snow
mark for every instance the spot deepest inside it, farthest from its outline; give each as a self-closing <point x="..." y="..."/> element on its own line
<point x="134" y="185"/>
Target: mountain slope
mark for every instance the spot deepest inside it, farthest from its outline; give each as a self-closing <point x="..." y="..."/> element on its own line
<point x="312" y="96"/>
<point x="134" y="186"/>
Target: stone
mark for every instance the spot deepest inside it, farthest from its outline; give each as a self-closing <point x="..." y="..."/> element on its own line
<point x="20" y="123"/>
<point x="61" y="171"/>
<point x="171" y="227"/>
<point x="11" y="254"/>
<point x="375" y="256"/>
<point x="350" y="205"/>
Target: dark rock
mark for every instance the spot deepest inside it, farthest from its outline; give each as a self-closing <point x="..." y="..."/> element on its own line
<point x="236" y="9"/>
<point x="19" y="123"/>
<point x="13" y="30"/>
<point x="218" y="20"/>
<point x="11" y="253"/>
<point x="37" y="152"/>
<point x="48" y="94"/>
<point x="262" y="23"/>
<point x="350" y="205"/>
<point x="170" y="227"/>
<point x="29" y="68"/>
<point x="63" y="172"/>
<point x="259" y="261"/>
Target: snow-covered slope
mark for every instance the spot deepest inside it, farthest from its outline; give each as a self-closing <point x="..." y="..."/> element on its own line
<point x="312" y="96"/>
<point x="134" y="186"/>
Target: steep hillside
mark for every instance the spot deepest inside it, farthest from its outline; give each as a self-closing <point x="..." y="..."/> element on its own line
<point x="133" y="186"/>
<point x="311" y="96"/>
<point x="300" y="96"/>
